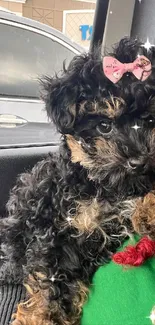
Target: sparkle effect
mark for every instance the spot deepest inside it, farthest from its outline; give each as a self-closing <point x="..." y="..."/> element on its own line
<point x="147" y="45"/>
<point x="152" y="316"/>
<point x="2" y="257"/>
<point x="136" y="127"/>
<point x="140" y="1"/>
<point x="52" y="278"/>
<point x="69" y="219"/>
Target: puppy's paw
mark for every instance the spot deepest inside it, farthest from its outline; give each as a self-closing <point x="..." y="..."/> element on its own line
<point x="143" y="219"/>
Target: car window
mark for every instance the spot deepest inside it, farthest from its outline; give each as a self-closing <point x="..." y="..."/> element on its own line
<point x="24" y="57"/>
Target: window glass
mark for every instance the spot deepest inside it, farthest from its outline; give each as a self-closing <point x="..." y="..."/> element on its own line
<point x="24" y="57"/>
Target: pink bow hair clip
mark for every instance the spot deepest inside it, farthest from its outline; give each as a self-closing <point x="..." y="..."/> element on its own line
<point x="114" y="70"/>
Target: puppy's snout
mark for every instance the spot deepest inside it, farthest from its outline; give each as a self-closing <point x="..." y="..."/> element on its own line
<point x="137" y="164"/>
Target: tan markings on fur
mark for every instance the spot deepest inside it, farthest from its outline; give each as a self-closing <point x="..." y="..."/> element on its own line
<point x="106" y="155"/>
<point x="82" y="108"/>
<point x="90" y="107"/>
<point x="77" y="152"/>
<point x="143" y="219"/>
<point x="87" y="217"/>
<point x="103" y="149"/>
<point x="80" y="298"/>
<point x="111" y="107"/>
<point x="152" y="139"/>
<point x="37" y="310"/>
<point x="72" y="110"/>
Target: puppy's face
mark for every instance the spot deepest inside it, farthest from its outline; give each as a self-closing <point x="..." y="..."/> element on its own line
<point x="117" y="148"/>
<point x="109" y="128"/>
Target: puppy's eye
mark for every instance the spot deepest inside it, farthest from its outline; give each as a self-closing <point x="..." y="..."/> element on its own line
<point x="104" y="128"/>
<point x="82" y="95"/>
<point x="151" y="121"/>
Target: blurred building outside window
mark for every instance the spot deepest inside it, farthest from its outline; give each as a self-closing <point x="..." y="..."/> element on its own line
<point x="72" y="17"/>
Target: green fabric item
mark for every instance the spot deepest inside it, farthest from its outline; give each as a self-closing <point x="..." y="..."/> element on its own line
<point x="121" y="296"/>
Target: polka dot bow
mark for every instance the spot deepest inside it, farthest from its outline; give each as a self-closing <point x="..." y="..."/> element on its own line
<point x="114" y="69"/>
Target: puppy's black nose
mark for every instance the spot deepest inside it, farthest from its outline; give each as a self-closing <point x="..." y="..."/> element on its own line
<point x="136" y="164"/>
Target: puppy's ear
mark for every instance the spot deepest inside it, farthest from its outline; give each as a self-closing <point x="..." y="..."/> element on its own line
<point x="61" y="95"/>
<point x="60" y="101"/>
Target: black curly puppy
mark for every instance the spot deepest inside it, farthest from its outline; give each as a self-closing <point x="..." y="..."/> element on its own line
<point x="73" y="210"/>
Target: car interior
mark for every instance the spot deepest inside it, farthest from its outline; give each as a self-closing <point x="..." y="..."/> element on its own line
<point x="20" y="155"/>
<point x="26" y="136"/>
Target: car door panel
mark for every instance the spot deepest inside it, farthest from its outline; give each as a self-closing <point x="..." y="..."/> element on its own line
<point x="29" y="50"/>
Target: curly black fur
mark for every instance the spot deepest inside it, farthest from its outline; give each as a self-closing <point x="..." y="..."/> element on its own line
<point x="46" y="231"/>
